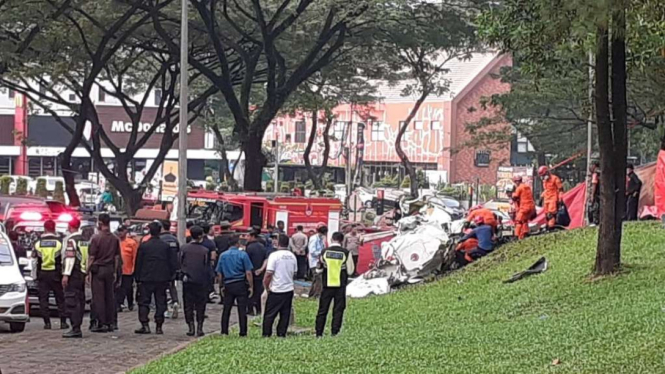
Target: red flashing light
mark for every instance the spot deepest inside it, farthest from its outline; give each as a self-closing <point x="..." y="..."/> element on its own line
<point x="65" y="217"/>
<point x="31" y="216"/>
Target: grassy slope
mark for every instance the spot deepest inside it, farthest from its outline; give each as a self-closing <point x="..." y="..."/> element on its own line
<point x="472" y="323"/>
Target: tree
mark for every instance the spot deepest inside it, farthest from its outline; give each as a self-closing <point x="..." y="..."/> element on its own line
<point x="320" y="95"/>
<point x="111" y="47"/>
<point x="539" y="33"/>
<point x="418" y="42"/>
<point x="273" y="42"/>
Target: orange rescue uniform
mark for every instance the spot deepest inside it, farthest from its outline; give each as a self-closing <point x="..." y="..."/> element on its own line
<point x="488" y="217"/>
<point x="526" y="209"/>
<point x="552" y="188"/>
<point x="128" y="250"/>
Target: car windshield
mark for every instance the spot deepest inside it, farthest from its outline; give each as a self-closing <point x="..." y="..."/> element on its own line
<point x="6" y="258"/>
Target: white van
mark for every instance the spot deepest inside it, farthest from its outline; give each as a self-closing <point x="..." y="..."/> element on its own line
<point x="14" y="306"/>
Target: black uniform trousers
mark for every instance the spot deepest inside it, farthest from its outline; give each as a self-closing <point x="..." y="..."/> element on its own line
<point x="302" y="267"/>
<point x="254" y="303"/>
<point x="327" y="297"/>
<point x="125" y="291"/>
<point x="75" y="298"/>
<point x="47" y="281"/>
<point x="632" y="205"/>
<point x="278" y="303"/>
<point x="103" y="293"/>
<point x="195" y="296"/>
<point x="232" y="292"/>
<point x="147" y="291"/>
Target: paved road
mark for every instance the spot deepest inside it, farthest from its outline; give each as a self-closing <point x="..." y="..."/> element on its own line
<point x="38" y="351"/>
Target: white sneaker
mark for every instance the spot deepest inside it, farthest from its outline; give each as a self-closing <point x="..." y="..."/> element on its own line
<point x="174" y="313"/>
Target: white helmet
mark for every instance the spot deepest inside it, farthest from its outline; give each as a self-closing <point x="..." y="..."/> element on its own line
<point x="510" y="188"/>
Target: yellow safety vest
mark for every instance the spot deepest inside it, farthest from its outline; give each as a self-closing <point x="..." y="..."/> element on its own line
<point x="335" y="263"/>
<point x="80" y="250"/>
<point x="48" y="249"/>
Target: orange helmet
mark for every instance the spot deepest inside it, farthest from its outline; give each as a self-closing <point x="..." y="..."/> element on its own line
<point x="543" y="170"/>
<point x="517" y="179"/>
<point x="475" y="208"/>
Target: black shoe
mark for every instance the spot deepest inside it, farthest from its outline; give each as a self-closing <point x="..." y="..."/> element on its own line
<point x="47" y="325"/>
<point x="100" y="329"/>
<point x="191" y="331"/>
<point x="72" y="334"/>
<point x="130" y="308"/>
<point x="158" y="329"/>
<point x="93" y="324"/>
<point x="63" y="325"/>
<point x="145" y="329"/>
<point x="199" y="330"/>
<point x="113" y="327"/>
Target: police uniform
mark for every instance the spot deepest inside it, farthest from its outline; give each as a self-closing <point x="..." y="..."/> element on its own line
<point x="172" y="241"/>
<point x="75" y="261"/>
<point x="48" y="251"/>
<point x="337" y="266"/>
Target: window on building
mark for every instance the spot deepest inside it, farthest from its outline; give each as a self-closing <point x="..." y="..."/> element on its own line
<point x="287" y="139"/>
<point x="377" y="132"/>
<point x="101" y="96"/>
<point x="42" y="89"/>
<point x="300" y="132"/>
<point x="340" y="126"/>
<point x="482" y="159"/>
<point x="523" y="144"/>
<point x="11" y="94"/>
<point x="158" y="97"/>
<point x="436" y="125"/>
<point x="418" y="125"/>
<point x="72" y="97"/>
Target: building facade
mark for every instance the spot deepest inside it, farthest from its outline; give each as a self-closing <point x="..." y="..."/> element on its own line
<point x="435" y="140"/>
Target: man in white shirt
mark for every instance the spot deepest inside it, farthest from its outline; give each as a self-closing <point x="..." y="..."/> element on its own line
<point x="278" y="282"/>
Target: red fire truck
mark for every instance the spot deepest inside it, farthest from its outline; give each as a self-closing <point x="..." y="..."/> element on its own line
<point x="244" y="210"/>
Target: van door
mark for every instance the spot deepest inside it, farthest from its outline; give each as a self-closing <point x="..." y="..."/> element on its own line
<point x="256" y="215"/>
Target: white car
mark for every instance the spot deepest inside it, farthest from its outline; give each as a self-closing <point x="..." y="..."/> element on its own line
<point x="14" y="305"/>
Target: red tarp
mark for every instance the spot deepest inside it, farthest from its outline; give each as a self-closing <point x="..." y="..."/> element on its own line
<point x="575" y="201"/>
<point x="659" y="184"/>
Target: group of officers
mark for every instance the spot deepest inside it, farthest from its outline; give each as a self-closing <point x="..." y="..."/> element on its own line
<point x="245" y="265"/>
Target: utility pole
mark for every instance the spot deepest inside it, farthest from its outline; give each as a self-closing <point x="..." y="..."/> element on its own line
<point x="589" y="144"/>
<point x="183" y="124"/>
<point x="276" y="172"/>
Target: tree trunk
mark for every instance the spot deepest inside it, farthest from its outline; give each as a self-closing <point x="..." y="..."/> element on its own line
<point x="326" y="148"/>
<point x="608" y="253"/>
<point x="131" y="197"/>
<point x="228" y="176"/>
<point x="254" y="162"/>
<point x="66" y="163"/>
<point x="411" y="171"/>
<point x="313" y="176"/>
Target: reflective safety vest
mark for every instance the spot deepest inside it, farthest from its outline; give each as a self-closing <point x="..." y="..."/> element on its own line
<point x="48" y="249"/>
<point x="334" y="263"/>
<point x="77" y="246"/>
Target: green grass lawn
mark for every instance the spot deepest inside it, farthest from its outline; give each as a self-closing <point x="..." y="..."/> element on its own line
<point x="473" y="323"/>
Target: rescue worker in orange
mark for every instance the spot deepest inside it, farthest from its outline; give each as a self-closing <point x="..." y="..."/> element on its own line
<point x="526" y="208"/>
<point x="552" y="194"/>
<point x="488" y="216"/>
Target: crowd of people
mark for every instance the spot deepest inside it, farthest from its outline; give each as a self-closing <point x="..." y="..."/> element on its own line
<point x="255" y="271"/>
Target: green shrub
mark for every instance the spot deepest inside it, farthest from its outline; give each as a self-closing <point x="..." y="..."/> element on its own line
<point x="406" y="182"/>
<point x="270" y="186"/>
<point x="41" y="190"/>
<point x="284" y="187"/>
<point x="5" y="183"/>
<point x="292" y="185"/>
<point x="330" y="186"/>
<point x="59" y="192"/>
<point x="224" y="187"/>
<point x="22" y="186"/>
<point x="309" y="185"/>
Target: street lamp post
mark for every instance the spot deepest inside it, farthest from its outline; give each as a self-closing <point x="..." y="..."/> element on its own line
<point x="183" y="123"/>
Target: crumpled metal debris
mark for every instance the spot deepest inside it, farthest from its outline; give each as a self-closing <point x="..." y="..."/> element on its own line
<point x="418" y="250"/>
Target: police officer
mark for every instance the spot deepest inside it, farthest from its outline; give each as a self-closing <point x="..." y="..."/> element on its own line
<point x="172" y="241"/>
<point x="336" y="264"/>
<point x="155" y="268"/>
<point x="48" y="251"/>
<point x="74" y="270"/>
